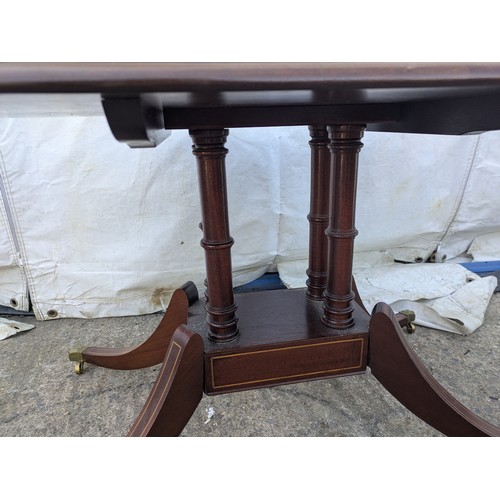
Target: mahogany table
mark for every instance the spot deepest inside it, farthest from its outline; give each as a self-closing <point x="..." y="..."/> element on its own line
<point x="283" y="336"/>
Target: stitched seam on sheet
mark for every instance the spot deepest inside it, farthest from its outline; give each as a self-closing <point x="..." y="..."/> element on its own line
<point x="20" y="241"/>
<point x="14" y="232"/>
<point x="465" y="183"/>
<point x="6" y="131"/>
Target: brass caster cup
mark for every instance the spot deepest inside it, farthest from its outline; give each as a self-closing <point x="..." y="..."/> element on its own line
<point x="76" y="355"/>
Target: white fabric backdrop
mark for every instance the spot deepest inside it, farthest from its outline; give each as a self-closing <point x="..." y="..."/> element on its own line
<point x="92" y="228"/>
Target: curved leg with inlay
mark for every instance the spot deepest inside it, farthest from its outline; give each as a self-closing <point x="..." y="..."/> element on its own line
<point x="152" y="351"/>
<point x="396" y="366"/>
<point x="177" y="391"/>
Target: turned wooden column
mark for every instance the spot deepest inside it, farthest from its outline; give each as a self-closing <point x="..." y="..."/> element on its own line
<point x="345" y="144"/>
<point x="217" y="242"/>
<point x="319" y="212"/>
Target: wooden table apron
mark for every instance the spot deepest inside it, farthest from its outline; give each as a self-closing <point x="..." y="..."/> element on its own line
<point x="252" y="340"/>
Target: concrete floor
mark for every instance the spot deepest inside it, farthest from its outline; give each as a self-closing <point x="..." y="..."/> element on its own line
<point x="40" y="395"/>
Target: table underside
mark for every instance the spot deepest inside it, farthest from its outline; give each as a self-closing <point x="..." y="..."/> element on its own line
<point x="142" y="99"/>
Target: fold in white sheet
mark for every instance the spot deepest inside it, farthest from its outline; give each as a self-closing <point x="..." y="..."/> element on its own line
<point x="485" y="248"/>
<point x="446" y="297"/>
<point x="9" y="327"/>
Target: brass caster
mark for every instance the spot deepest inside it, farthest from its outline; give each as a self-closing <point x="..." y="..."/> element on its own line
<point x="410" y="318"/>
<point x="411" y="328"/>
<point x="76" y="355"/>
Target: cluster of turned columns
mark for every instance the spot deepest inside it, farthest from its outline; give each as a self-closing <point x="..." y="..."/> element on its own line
<point x="334" y="162"/>
<point x="334" y="166"/>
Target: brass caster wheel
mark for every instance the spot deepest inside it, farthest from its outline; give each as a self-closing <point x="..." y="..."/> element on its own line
<point x="411" y="328"/>
<point x="76" y="355"/>
<point x="408" y="321"/>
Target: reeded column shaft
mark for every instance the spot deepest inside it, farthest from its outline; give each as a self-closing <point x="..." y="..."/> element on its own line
<point x="319" y="212"/>
<point x="345" y="144"/>
<point x="217" y="242"/>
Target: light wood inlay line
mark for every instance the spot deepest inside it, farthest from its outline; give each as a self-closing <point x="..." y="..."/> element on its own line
<point x="165" y="388"/>
<point x="285" y="377"/>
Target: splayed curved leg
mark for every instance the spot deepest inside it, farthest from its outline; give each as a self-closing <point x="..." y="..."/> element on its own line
<point x="400" y="371"/>
<point x="357" y="298"/>
<point x="152" y="350"/>
<point x="178" y="388"/>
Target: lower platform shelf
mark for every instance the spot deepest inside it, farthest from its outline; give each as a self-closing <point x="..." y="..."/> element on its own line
<point x="282" y="340"/>
<point x="280" y="365"/>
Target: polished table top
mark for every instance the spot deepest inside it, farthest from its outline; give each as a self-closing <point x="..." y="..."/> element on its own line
<point x="200" y="77"/>
<point x="400" y="97"/>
